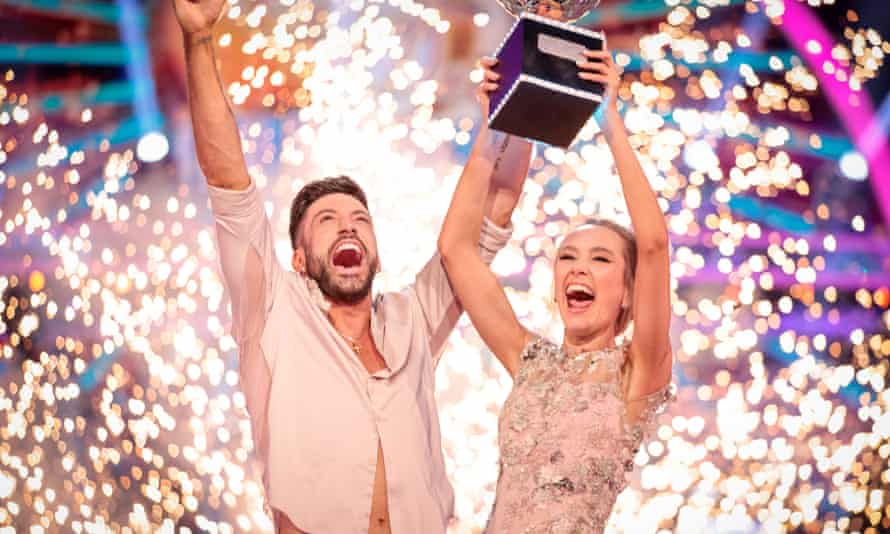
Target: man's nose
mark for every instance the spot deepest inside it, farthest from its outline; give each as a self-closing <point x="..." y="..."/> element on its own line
<point x="347" y="226"/>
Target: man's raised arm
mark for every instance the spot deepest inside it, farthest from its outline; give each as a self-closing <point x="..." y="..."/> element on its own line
<point x="244" y="235"/>
<point x="503" y="161"/>
<point x="217" y="142"/>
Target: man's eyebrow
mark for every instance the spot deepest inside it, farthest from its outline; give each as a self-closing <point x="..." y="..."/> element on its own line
<point x="326" y="210"/>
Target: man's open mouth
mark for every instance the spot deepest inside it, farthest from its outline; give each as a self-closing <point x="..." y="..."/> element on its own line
<point x="348" y="254"/>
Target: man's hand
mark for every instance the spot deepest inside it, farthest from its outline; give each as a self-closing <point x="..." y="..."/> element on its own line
<point x="197" y="16"/>
<point x="217" y="142"/>
<point x="488" y="85"/>
<point x="509" y="155"/>
<point x="489" y="144"/>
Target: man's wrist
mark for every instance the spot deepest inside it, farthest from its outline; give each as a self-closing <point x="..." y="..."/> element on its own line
<point x="486" y="145"/>
<point x="198" y="37"/>
<point x="499" y="217"/>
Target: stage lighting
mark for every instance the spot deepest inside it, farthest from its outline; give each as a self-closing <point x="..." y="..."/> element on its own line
<point x="854" y="166"/>
<point x="152" y="147"/>
<point x="700" y="156"/>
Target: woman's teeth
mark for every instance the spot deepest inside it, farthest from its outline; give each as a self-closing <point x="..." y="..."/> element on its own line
<point x="579" y="289"/>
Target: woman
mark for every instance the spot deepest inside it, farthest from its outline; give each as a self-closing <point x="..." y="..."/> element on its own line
<point x="578" y="410"/>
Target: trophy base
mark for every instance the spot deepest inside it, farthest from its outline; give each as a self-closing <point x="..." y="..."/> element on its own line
<point x="543" y="111"/>
<point x="541" y="96"/>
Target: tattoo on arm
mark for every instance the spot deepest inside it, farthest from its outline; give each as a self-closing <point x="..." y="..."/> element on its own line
<point x="503" y="149"/>
<point x="206" y="40"/>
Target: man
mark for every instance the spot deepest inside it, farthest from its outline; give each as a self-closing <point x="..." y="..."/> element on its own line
<point x="339" y="388"/>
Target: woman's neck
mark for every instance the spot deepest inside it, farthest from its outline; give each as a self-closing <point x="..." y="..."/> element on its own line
<point x="578" y="344"/>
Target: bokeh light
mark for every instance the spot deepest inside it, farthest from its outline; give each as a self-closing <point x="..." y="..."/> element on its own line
<point x="120" y="406"/>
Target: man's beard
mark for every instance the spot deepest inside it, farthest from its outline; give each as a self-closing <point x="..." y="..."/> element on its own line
<point x="318" y="269"/>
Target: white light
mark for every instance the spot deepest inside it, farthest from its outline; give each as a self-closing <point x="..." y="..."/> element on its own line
<point x="854" y="166"/>
<point x="700" y="156"/>
<point x="152" y="147"/>
<point x="28" y="324"/>
<point x="481" y="19"/>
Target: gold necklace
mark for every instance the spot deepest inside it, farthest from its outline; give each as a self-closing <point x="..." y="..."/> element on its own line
<point x="353" y="343"/>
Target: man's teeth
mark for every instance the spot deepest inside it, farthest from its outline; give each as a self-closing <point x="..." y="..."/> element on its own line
<point x="578" y="288"/>
<point x="348" y="246"/>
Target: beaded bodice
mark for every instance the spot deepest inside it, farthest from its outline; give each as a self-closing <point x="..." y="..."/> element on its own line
<point x="567" y="438"/>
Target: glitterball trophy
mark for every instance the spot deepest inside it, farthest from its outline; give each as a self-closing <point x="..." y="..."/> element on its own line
<point x="540" y="95"/>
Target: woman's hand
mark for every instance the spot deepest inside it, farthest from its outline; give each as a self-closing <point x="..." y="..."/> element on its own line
<point x="598" y="66"/>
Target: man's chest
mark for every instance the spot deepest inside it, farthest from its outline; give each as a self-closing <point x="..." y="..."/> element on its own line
<point x="371" y="359"/>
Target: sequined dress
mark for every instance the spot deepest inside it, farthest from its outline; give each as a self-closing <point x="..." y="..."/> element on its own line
<point x="567" y="438"/>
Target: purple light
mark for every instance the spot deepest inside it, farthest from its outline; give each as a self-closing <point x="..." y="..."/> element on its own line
<point x="842" y="280"/>
<point x="854" y="109"/>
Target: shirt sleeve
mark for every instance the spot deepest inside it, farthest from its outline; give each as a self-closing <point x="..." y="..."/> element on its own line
<point x="434" y="296"/>
<point x="252" y="277"/>
<point x="247" y="257"/>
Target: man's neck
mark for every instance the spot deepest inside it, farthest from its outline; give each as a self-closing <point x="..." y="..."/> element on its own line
<point x="353" y="320"/>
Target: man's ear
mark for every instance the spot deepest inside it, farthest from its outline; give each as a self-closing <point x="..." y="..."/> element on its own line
<point x="298" y="260"/>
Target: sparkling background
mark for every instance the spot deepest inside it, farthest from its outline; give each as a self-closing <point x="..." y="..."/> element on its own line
<point x="119" y="400"/>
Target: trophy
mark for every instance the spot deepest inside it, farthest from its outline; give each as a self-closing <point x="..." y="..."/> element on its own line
<point x="540" y="96"/>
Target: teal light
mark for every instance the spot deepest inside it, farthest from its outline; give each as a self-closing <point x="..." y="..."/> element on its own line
<point x="114" y="93"/>
<point x="85" y="10"/>
<point x="770" y="215"/>
<point x="758" y="61"/>
<point x="638" y="10"/>
<point x="109" y="54"/>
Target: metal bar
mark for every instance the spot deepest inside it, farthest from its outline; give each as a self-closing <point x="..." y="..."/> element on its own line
<point x="113" y="94"/>
<point x="769" y="214"/>
<point x="104" y="54"/>
<point x="843" y="281"/>
<point x="94" y="11"/>
<point x="637" y="10"/>
<point x="132" y="30"/>
<point x="758" y="61"/>
<point x="847" y="242"/>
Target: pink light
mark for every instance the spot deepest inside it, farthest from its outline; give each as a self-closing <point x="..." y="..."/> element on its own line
<point x="854" y="109"/>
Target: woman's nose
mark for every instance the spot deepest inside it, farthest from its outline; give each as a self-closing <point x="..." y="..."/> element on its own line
<point x="580" y="268"/>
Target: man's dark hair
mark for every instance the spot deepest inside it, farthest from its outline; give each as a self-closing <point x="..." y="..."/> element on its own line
<point x="314" y="191"/>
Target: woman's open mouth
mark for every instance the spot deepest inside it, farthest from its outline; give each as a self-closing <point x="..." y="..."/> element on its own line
<point x="579" y="297"/>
